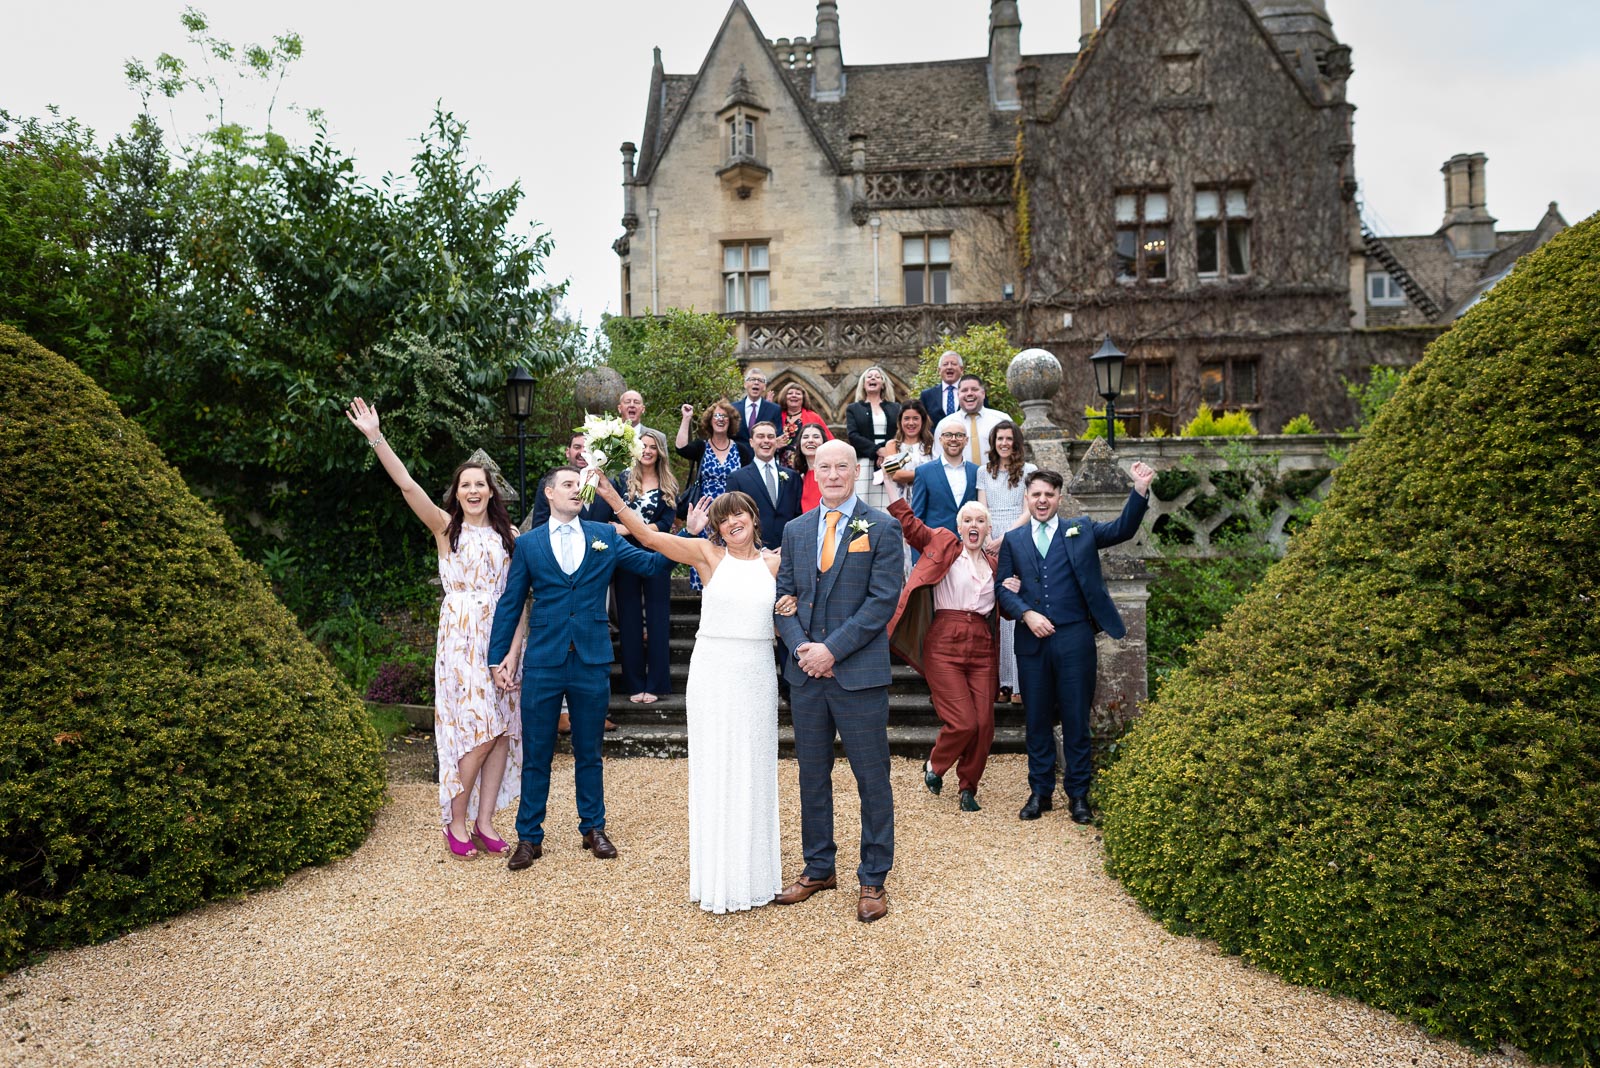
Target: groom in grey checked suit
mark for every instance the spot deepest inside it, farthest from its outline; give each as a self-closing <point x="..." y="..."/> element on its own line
<point x="842" y="562"/>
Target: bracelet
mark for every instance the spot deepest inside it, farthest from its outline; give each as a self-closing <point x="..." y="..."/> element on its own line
<point x="379" y="440"/>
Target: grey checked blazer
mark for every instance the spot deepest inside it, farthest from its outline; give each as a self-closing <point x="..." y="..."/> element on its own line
<point x="848" y="607"/>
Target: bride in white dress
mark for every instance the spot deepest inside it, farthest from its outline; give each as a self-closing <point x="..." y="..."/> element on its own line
<point x="732" y="700"/>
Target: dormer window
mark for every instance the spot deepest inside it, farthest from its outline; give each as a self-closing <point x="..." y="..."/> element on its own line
<point x="742" y="170"/>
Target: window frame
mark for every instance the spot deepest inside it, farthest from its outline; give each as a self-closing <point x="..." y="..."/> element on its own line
<point x="932" y="273"/>
<point x="1141" y="226"/>
<point x="1141" y="414"/>
<point x="1397" y="297"/>
<point x="745" y="275"/>
<point x="1229" y="365"/>
<point x="1228" y="225"/>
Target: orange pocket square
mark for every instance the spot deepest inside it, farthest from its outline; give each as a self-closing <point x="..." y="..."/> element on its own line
<point x="860" y="545"/>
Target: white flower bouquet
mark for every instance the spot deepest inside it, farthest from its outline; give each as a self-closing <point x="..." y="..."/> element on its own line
<point x="610" y="447"/>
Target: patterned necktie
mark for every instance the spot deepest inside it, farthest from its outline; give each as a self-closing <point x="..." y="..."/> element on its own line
<point x="772" y="482"/>
<point x="751" y="421"/>
<point x="949" y="400"/>
<point x="829" y="537"/>
<point x="567" y="564"/>
<point x="972" y="438"/>
<point x="1041" y="538"/>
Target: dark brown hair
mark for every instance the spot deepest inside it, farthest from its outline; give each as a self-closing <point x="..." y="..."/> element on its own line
<point x="730" y="504"/>
<point x="1013" y="465"/>
<point x="499" y="518"/>
<point x="925" y="438"/>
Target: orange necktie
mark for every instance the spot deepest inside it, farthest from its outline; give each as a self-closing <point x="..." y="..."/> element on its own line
<point x="972" y="438"/>
<point x="829" y="539"/>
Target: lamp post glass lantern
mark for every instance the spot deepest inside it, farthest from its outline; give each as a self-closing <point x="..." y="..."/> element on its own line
<point x="1108" y="364"/>
<point x="519" y="400"/>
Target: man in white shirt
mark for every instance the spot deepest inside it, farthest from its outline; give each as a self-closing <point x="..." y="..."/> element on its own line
<point x="940" y="398"/>
<point x="977" y="417"/>
<point x="938" y="490"/>
<point x="754" y="407"/>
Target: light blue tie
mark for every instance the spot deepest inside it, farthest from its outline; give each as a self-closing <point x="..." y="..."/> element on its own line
<point x="1041" y="538"/>
<point x="567" y="564"/>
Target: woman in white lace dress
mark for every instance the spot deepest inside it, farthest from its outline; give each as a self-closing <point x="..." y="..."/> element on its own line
<point x="732" y="700"/>
<point x="477" y="728"/>
<point x="1002" y="485"/>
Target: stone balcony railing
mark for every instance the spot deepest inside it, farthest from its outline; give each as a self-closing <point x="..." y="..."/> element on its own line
<point x="833" y="335"/>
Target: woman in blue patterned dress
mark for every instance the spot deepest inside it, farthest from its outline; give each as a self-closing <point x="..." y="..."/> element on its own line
<point x="715" y="452"/>
<point x="644" y="605"/>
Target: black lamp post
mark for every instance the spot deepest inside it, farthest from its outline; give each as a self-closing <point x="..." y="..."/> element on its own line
<point x="519" y="399"/>
<point x="1108" y="363"/>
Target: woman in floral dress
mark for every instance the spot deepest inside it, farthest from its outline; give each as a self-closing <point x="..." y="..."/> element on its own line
<point x="1002" y="485"/>
<point x="477" y="729"/>
<point x="716" y="453"/>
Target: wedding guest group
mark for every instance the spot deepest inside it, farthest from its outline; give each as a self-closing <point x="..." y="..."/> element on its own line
<point x="796" y="414"/>
<point x="774" y="488"/>
<point x="715" y="454"/>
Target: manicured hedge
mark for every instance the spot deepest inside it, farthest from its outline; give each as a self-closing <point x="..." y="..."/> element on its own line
<point x="1381" y="774"/>
<point x="167" y="736"/>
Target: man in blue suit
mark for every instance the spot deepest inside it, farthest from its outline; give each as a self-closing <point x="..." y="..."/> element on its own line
<point x="755" y="408"/>
<point x="942" y="398"/>
<point x="939" y="490"/>
<point x="843" y="566"/>
<point x="566" y="565"/>
<point x="1062" y="603"/>
<point x="774" y="488"/>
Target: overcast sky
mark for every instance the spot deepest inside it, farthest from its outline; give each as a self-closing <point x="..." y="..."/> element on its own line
<point x="550" y="90"/>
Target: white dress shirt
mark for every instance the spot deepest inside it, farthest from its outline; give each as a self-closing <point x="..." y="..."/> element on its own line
<point x="957" y="477"/>
<point x="576" y="539"/>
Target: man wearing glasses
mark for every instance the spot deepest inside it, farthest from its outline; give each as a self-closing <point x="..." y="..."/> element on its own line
<point x="939" y="490"/>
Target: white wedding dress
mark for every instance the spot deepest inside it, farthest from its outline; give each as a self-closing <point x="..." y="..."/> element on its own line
<point x="732" y="700"/>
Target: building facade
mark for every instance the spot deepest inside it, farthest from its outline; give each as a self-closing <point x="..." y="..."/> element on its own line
<point x="1184" y="182"/>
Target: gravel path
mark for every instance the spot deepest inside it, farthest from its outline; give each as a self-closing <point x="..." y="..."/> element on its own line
<point x="1006" y="943"/>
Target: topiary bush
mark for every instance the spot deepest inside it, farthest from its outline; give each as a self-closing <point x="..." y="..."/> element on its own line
<point x="1381" y="775"/>
<point x="1208" y="424"/>
<point x="167" y="735"/>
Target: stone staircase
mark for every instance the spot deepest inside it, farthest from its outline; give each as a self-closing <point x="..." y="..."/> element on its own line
<point x="661" y="729"/>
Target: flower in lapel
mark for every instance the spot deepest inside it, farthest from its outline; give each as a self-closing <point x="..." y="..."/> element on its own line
<point x="859" y="526"/>
<point x="598" y="546"/>
<point x="783" y="476"/>
<point x="1073" y="531"/>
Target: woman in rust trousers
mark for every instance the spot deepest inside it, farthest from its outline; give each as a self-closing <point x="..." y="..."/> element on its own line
<point x="946" y="627"/>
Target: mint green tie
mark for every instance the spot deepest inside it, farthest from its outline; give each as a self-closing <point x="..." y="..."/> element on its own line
<point x="1041" y="538"/>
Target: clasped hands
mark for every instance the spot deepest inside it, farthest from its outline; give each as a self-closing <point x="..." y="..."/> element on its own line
<point x="815" y="658"/>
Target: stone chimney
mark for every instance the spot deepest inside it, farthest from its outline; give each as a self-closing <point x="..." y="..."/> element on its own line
<point x="1091" y="13"/>
<point x="1467" y="223"/>
<point x="630" y="218"/>
<point x="827" y="70"/>
<point x="1005" y="54"/>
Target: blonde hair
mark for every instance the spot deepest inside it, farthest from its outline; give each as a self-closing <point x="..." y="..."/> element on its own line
<point x="663" y="471"/>
<point x="973" y="506"/>
<point x="888" y="384"/>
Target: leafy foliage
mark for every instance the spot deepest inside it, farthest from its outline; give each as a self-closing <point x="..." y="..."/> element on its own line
<point x="1094" y="424"/>
<point x="1374" y="393"/>
<point x="985" y="351"/>
<point x="1381" y="775"/>
<point x="678" y="357"/>
<point x="1208" y="423"/>
<point x="1300" y="424"/>
<point x="167" y="736"/>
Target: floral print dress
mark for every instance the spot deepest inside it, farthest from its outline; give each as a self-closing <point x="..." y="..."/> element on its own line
<point x="468" y="710"/>
<point x="713" y="484"/>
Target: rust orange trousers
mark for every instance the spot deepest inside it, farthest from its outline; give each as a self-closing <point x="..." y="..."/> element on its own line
<point x="959" y="661"/>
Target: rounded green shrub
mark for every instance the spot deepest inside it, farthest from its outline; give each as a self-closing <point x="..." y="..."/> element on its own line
<point x="167" y="735"/>
<point x="1381" y="774"/>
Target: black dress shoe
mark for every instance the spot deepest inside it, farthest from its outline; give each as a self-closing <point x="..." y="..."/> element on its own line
<point x="1037" y="803"/>
<point x="1080" y="810"/>
<point x="969" y="801"/>
<point x="600" y="844"/>
<point x="933" y="782"/>
<point x="524" y="855"/>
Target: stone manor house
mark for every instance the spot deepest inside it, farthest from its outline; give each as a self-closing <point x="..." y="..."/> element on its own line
<point x="1184" y="181"/>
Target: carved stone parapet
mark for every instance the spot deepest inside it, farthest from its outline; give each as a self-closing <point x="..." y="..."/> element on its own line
<point x="939" y="187"/>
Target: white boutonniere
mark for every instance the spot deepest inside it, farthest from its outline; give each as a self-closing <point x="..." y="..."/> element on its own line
<point x="859" y="526"/>
<point x="598" y="546"/>
<point x="783" y="476"/>
<point x="1072" y="532"/>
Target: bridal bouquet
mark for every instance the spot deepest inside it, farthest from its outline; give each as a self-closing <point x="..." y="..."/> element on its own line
<point x="611" y="447"/>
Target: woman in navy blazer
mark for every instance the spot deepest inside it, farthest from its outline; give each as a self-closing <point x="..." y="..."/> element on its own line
<point x="650" y="489"/>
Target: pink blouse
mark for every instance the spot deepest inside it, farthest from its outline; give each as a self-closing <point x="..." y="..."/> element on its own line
<point x="966" y="587"/>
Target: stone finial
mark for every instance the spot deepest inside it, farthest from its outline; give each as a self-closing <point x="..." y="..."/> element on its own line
<point x="1005" y="53"/>
<point x="599" y="389"/>
<point x="740" y="92"/>
<point x="1033" y="377"/>
<point x="505" y="489"/>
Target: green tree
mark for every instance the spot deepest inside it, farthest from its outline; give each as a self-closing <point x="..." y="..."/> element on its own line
<point x="676" y="358"/>
<point x="986" y="351"/>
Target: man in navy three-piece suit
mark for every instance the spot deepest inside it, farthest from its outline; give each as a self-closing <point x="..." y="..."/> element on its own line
<point x="1062" y="603"/>
<point x="566" y="564"/>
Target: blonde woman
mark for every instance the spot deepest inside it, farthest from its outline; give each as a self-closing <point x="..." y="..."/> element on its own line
<point x="869" y="424"/>
<point x="644" y="603"/>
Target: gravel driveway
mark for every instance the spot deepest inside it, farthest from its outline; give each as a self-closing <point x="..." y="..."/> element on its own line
<point x="1006" y="943"/>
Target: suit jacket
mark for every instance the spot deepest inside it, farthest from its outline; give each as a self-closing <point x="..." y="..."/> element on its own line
<point x="774" y="517"/>
<point x="931" y="500"/>
<point x="933" y="401"/>
<point x="847" y="607"/>
<point x="1077" y="555"/>
<point x="858" y="428"/>
<point x="940" y="549"/>
<point x="568" y="610"/>
<point x="767" y="413"/>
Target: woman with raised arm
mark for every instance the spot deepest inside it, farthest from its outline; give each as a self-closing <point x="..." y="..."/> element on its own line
<point x="797" y="415"/>
<point x="715" y="454"/>
<point x="732" y="701"/>
<point x="477" y="728"/>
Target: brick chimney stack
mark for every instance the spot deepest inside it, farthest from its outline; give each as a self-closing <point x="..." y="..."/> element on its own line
<point x="1005" y="54"/>
<point x="827" y="72"/>
<point x="1467" y="223"/>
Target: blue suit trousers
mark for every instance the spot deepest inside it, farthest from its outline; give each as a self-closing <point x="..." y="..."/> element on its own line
<point x="587" y="689"/>
<point x="1058" y="686"/>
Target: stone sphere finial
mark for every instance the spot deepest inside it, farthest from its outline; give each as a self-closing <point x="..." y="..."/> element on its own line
<point x="599" y="389"/>
<point x="1033" y="377"/>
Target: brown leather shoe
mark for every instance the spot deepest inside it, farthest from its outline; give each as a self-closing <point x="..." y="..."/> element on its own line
<point x="874" y="904"/>
<point x="597" y="841"/>
<point x="803" y="888"/>
<point x="524" y="855"/>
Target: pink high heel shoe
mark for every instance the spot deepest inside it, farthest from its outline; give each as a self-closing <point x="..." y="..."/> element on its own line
<point x="462" y="850"/>
<point x="487" y="843"/>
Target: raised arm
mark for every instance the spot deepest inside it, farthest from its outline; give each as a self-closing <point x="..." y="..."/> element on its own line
<point x="682" y="441"/>
<point x="915" y="531"/>
<point x="365" y="419"/>
<point x="691" y="551"/>
<point x="1126" y="525"/>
